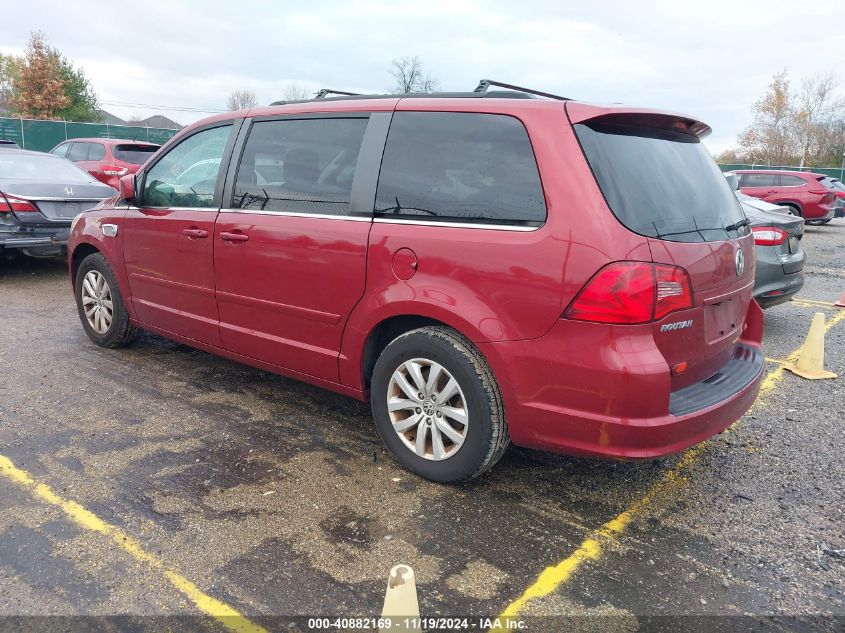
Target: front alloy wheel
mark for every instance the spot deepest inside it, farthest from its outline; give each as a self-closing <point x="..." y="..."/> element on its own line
<point x="100" y="305"/>
<point x="97" y="301"/>
<point x="427" y="409"/>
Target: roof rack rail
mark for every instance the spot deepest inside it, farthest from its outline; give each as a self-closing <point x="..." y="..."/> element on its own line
<point x="485" y="84"/>
<point x="321" y="94"/>
<point x="481" y="91"/>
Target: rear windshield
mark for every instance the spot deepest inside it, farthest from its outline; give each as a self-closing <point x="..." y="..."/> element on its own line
<point x="827" y="183"/>
<point x="134" y="154"/>
<point x="661" y="183"/>
<point x="46" y="167"/>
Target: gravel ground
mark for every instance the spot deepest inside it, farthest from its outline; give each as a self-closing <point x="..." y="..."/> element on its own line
<point x="278" y="498"/>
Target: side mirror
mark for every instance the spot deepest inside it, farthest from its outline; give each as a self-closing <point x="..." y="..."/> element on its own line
<point x="733" y="180"/>
<point x="127" y="188"/>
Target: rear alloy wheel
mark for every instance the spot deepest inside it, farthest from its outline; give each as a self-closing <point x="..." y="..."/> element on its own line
<point x="100" y="306"/>
<point x="437" y="406"/>
<point x="427" y="409"/>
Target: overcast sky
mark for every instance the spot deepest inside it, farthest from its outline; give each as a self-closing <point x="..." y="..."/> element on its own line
<point x="711" y="59"/>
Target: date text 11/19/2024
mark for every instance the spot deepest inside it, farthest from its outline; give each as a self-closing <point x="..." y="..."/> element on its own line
<point x="417" y="624"/>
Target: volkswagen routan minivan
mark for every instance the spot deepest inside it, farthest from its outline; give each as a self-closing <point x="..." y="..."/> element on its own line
<point x="483" y="267"/>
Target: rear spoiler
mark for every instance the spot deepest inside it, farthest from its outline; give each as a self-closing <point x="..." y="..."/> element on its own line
<point x="583" y="112"/>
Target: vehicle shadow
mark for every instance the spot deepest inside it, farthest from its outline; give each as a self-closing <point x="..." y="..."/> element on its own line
<point x="16" y="266"/>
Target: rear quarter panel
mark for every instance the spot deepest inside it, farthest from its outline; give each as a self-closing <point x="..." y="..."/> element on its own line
<point x="496" y="285"/>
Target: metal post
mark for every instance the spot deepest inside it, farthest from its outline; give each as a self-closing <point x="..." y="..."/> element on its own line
<point x="23" y="138"/>
<point x="65" y="120"/>
<point x="842" y="169"/>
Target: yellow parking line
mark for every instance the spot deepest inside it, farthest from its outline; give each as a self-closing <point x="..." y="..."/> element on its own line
<point x="220" y="611"/>
<point x="812" y="303"/>
<point x="551" y="578"/>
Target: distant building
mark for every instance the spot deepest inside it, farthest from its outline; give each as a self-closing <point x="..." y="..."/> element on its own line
<point x="109" y="118"/>
<point x="158" y="121"/>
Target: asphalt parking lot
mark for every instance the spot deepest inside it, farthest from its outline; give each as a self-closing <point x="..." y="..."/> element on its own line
<point x="159" y="480"/>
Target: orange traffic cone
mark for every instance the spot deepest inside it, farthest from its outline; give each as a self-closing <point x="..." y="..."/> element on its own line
<point x="841" y="302"/>
<point x="811" y="355"/>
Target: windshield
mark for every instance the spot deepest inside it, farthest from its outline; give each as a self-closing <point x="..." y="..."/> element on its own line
<point x="660" y="183"/>
<point x="134" y="154"/>
<point x="16" y="166"/>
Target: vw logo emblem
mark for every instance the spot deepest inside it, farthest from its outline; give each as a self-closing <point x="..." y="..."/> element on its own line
<point x="740" y="263"/>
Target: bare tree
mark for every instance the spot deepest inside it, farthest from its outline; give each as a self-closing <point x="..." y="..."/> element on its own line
<point x="770" y="138"/>
<point x="295" y="92"/>
<point x="815" y="113"/>
<point x="241" y="100"/>
<point x="806" y="127"/>
<point x="409" y="76"/>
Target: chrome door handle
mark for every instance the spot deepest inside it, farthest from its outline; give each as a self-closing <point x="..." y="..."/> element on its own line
<point x="195" y="233"/>
<point x="234" y="237"/>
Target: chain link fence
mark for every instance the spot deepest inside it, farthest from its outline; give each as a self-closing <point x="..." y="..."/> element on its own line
<point x="45" y="135"/>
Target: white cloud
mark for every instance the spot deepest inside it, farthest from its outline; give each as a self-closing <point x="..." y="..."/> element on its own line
<point x="710" y="60"/>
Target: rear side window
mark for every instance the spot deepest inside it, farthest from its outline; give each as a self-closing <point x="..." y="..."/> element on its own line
<point x="96" y="151"/>
<point x="661" y="183"/>
<point x="299" y="166"/>
<point x="759" y="180"/>
<point x="78" y="151"/>
<point x="134" y="154"/>
<point x="791" y="181"/>
<point x="459" y="167"/>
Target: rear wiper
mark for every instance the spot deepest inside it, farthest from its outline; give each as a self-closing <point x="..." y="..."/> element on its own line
<point x="738" y="225"/>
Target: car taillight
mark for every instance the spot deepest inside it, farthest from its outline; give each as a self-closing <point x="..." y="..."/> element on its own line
<point x="17" y="205"/>
<point x="113" y="170"/>
<point x="632" y="292"/>
<point x="769" y="235"/>
<point x="829" y="198"/>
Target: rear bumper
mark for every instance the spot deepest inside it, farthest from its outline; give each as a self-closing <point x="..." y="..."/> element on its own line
<point x="614" y="400"/>
<point x="771" y="284"/>
<point x="41" y="242"/>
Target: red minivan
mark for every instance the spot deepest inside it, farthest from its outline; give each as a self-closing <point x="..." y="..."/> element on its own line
<point x="107" y="159"/>
<point x="484" y="267"/>
<point x="809" y="195"/>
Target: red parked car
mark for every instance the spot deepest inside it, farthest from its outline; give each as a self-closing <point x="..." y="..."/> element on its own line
<point x="107" y="159"/>
<point x="565" y="276"/>
<point x="806" y="194"/>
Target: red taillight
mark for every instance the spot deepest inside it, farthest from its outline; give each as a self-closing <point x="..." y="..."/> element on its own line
<point x="769" y="235"/>
<point x="18" y="205"/>
<point x="113" y="170"/>
<point x="673" y="290"/>
<point x="632" y="292"/>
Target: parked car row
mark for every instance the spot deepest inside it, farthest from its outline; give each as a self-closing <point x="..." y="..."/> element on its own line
<point x="450" y="265"/>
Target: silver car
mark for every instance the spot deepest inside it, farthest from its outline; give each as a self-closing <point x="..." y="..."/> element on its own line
<point x="40" y="194"/>
<point x="780" y="257"/>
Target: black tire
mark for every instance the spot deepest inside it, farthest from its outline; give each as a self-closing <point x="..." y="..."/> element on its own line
<point x="486" y="434"/>
<point x="793" y="210"/>
<point x="120" y="332"/>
